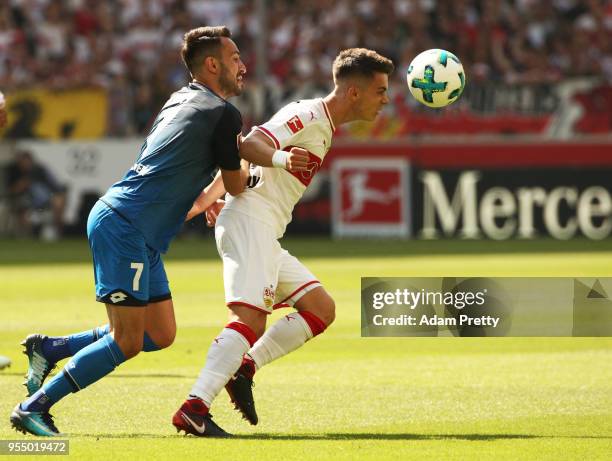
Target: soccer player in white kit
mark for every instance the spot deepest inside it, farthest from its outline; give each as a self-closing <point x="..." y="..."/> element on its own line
<point x="259" y="275"/>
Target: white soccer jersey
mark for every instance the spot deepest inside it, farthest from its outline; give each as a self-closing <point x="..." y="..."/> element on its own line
<point x="273" y="192"/>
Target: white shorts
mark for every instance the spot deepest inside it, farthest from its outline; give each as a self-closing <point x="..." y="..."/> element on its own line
<point x="257" y="271"/>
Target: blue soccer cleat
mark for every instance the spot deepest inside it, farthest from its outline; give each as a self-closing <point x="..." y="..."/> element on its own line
<point x="34" y="422"/>
<point x="38" y="366"/>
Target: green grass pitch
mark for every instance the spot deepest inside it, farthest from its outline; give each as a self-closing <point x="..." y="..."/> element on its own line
<point x="340" y="397"/>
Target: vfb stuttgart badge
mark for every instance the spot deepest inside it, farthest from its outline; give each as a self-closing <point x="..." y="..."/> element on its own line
<point x="268" y="296"/>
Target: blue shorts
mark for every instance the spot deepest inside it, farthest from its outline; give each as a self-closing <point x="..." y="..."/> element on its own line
<point x="126" y="271"/>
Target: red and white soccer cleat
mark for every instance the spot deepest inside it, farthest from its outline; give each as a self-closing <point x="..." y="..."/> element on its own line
<point x="193" y="418"/>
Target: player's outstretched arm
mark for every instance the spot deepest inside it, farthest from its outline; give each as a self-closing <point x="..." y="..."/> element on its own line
<point x="235" y="181"/>
<point x="213" y="192"/>
<point x="259" y="149"/>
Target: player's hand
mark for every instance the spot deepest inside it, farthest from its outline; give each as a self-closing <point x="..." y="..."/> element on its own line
<point x="195" y="210"/>
<point x="212" y="212"/>
<point x="297" y="160"/>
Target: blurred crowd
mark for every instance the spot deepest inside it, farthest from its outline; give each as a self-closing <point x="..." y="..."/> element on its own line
<point x="131" y="47"/>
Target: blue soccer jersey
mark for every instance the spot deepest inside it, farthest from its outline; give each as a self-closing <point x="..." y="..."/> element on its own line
<point x="195" y="132"/>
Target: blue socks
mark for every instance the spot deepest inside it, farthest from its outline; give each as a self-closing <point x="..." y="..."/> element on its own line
<point x="39" y="401"/>
<point x="92" y="363"/>
<point x="148" y="345"/>
<point x="58" y="348"/>
<point x="88" y="365"/>
<point x="94" y="355"/>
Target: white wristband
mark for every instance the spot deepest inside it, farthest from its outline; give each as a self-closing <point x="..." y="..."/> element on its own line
<point x="279" y="159"/>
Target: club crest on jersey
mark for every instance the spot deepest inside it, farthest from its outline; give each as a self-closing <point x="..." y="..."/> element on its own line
<point x="268" y="296"/>
<point x="295" y="124"/>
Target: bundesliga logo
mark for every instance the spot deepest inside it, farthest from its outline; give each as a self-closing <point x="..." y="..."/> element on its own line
<point x="295" y="124"/>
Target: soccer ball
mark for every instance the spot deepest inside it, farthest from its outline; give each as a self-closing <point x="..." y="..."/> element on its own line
<point x="436" y="78"/>
<point x="4" y="362"/>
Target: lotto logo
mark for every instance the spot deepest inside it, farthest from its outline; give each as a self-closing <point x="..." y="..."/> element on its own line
<point x="295" y="124"/>
<point x="118" y="297"/>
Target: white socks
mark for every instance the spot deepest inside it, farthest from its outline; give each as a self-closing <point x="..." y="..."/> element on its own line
<point x="223" y="359"/>
<point x="227" y="350"/>
<point x="285" y="336"/>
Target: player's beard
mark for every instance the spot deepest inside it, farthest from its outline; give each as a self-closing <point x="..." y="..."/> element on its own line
<point x="228" y="83"/>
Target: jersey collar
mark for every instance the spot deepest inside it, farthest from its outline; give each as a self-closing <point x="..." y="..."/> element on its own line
<point x="201" y="86"/>
<point x="331" y="123"/>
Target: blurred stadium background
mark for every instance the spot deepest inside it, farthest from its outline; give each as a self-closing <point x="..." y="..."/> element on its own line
<point x="524" y="157"/>
<point x="525" y="152"/>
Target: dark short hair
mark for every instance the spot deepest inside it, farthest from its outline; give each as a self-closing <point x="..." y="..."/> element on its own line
<point x="202" y="42"/>
<point x="360" y="62"/>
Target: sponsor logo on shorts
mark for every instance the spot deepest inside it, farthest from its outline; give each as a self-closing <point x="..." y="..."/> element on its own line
<point x="118" y="296"/>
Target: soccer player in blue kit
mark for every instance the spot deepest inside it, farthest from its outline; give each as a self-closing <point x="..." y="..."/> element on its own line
<point x="196" y="132"/>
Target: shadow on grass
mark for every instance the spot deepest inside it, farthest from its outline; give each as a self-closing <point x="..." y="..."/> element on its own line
<point x="23" y="252"/>
<point x="150" y="375"/>
<point x="117" y="375"/>
<point x="406" y="436"/>
<point x="350" y="436"/>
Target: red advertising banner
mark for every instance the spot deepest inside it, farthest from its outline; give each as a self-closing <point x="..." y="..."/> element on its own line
<point x="370" y="196"/>
<point x="575" y="107"/>
<point x="501" y="189"/>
